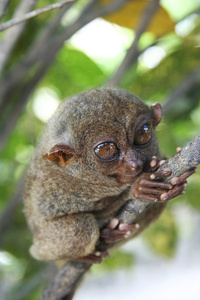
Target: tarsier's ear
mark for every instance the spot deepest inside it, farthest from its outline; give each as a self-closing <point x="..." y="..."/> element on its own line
<point x="60" y="154"/>
<point x="157" y="113"/>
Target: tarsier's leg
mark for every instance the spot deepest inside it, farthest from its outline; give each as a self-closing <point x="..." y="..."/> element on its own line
<point x="70" y="237"/>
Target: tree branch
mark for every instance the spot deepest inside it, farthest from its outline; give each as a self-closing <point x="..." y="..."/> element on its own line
<point x="42" y="54"/>
<point x="133" y="51"/>
<point x="65" y="281"/>
<point x="134" y="211"/>
<point x="32" y="14"/>
<point x="39" y="50"/>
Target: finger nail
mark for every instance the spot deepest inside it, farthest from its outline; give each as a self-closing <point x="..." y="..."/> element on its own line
<point x="128" y="233"/>
<point x="164" y="197"/>
<point x="174" y="180"/>
<point x="167" y="171"/>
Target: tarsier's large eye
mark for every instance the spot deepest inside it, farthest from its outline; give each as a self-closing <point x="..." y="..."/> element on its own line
<point x="143" y="135"/>
<point x="107" y="151"/>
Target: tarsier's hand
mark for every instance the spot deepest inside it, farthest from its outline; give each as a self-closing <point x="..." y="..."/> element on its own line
<point x="149" y="187"/>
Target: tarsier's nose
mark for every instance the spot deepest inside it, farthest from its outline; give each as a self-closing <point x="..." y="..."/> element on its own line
<point x="132" y="162"/>
<point x="129" y="168"/>
<point x="136" y="165"/>
<point x="133" y="167"/>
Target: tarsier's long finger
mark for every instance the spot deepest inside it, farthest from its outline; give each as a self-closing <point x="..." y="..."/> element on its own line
<point x="159" y="184"/>
<point x="113" y="223"/>
<point x="154" y="164"/>
<point x="128" y="227"/>
<point x="176" y="191"/>
<point x="162" y="173"/>
<point x="182" y="178"/>
<point x="152" y="191"/>
<point x="147" y="197"/>
<point x="112" y="235"/>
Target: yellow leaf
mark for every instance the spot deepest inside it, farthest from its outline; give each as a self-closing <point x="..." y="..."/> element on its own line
<point x="129" y="16"/>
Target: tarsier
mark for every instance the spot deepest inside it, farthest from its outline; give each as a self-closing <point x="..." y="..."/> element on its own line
<point x="97" y="151"/>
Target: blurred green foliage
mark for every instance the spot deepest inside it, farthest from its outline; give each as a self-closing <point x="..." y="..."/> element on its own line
<point x="163" y="235"/>
<point x="72" y="72"/>
<point x="118" y="259"/>
<point x="67" y="78"/>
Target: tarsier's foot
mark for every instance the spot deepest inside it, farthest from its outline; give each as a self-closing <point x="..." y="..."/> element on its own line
<point x="95" y="258"/>
<point x="115" y="230"/>
<point x="148" y="186"/>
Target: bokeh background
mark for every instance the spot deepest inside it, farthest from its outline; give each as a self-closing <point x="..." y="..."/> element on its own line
<point x="152" y="50"/>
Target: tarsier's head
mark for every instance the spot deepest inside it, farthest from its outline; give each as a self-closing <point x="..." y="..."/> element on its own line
<point x="108" y="130"/>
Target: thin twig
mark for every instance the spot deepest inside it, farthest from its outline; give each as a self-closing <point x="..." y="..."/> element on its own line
<point x="32" y="14"/>
<point x="185" y="86"/>
<point x="132" y="52"/>
<point x="53" y="24"/>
